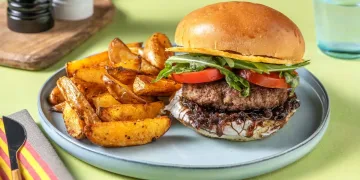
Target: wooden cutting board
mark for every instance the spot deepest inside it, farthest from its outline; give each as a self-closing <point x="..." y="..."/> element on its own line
<point x="40" y="50"/>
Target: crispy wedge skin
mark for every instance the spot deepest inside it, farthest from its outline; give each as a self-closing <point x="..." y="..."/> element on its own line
<point x="93" y="75"/>
<point x="137" y="50"/>
<point x="56" y="97"/>
<point x="97" y="60"/>
<point x="134" y="45"/>
<point x="147" y="68"/>
<point x="104" y="100"/>
<point x="154" y="50"/>
<point x="122" y="92"/>
<point x="125" y="76"/>
<point x="77" y="100"/>
<point x="58" y="107"/>
<point x="121" y="56"/>
<point x="144" y="86"/>
<point x="88" y="89"/>
<point x="127" y="133"/>
<point x="74" y="125"/>
<point x="130" y="111"/>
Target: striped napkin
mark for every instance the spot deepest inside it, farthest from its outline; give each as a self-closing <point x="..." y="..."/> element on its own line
<point x="37" y="158"/>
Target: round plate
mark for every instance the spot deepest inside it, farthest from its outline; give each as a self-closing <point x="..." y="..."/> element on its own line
<point x="183" y="154"/>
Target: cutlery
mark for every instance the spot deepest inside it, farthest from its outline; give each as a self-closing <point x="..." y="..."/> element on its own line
<point x="16" y="136"/>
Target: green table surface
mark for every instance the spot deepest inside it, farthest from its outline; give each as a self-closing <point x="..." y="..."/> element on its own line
<point x="337" y="155"/>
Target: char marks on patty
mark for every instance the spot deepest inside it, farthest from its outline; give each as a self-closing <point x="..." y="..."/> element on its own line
<point x="221" y="96"/>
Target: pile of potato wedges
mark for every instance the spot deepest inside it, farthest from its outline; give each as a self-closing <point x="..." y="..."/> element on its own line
<point x="110" y="98"/>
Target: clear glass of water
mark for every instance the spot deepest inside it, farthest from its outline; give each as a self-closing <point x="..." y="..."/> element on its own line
<point x="338" y="27"/>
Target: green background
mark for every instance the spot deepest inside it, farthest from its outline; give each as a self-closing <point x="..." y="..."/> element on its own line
<point x="337" y="155"/>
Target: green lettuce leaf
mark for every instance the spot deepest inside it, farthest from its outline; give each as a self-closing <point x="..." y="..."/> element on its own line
<point x="184" y="63"/>
<point x="292" y="79"/>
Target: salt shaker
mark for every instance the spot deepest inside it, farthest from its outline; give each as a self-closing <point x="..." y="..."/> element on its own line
<point x="73" y="10"/>
<point x="29" y="16"/>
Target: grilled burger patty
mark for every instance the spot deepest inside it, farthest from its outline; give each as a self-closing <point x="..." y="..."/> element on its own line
<point x="221" y="96"/>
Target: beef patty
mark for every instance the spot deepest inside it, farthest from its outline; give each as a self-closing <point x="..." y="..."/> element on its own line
<point x="221" y="96"/>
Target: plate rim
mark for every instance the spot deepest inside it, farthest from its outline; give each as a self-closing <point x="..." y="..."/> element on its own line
<point x="324" y="120"/>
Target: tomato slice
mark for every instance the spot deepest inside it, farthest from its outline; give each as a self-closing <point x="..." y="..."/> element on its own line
<point x="272" y="80"/>
<point x="206" y="75"/>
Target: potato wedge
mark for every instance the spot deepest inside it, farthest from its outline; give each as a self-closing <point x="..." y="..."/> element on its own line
<point x="73" y="123"/>
<point x="104" y="100"/>
<point x="154" y="50"/>
<point x="93" y="75"/>
<point x="88" y="89"/>
<point x="58" y="107"/>
<point x="134" y="44"/>
<point x="144" y="86"/>
<point x="137" y="50"/>
<point x="121" y="56"/>
<point x="97" y="60"/>
<point x="130" y="111"/>
<point x="122" y="92"/>
<point x="127" y="133"/>
<point x="77" y="100"/>
<point x="56" y="97"/>
<point x="125" y="76"/>
<point x="147" y="68"/>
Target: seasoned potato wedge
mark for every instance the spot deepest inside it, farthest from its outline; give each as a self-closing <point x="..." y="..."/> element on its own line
<point x="122" y="92"/>
<point x="143" y="86"/>
<point x="58" y="107"/>
<point x="147" y="68"/>
<point x="130" y="111"/>
<point x="125" y="76"/>
<point x="134" y="44"/>
<point x="77" y="100"/>
<point x="104" y="100"/>
<point x="127" y="133"/>
<point x="98" y="60"/>
<point x="93" y="75"/>
<point x="137" y="50"/>
<point x="56" y="97"/>
<point x="74" y="125"/>
<point x="154" y="50"/>
<point x="121" y="56"/>
<point x="88" y="89"/>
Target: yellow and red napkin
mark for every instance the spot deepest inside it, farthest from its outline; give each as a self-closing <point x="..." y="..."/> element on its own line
<point x="37" y="158"/>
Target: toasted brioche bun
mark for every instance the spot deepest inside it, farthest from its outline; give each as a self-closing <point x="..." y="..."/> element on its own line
<point x="242" y="27"/>
<point x="247" y="130"/>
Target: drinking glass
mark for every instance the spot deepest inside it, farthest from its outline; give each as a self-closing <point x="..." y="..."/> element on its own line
<point x="338" y="27"/>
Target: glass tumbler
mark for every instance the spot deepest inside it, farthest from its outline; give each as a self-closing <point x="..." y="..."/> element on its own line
<point x="338" y="27"/>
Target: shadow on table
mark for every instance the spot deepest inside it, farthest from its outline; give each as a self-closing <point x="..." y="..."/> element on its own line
<point x="340" y="140"/>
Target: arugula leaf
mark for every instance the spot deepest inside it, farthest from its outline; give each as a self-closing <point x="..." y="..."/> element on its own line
<point x="266" y="68"/>
<point x="184" y="63"/>
<point x="262" y="67"/>
<point x="281" y="74"/>
<point x="284" y="67"/>
<point x="246" y="65"/>
<point x="229" y="61"/>
<point x="292" y="79"/>
<point x="220" y="61"/>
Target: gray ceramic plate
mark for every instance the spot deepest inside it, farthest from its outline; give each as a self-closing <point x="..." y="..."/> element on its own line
<point x="183" y="154"/>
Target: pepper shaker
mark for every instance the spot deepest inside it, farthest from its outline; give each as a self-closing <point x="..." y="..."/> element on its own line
<point x="29" y="16"/>
<point x="73" y="10"/>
